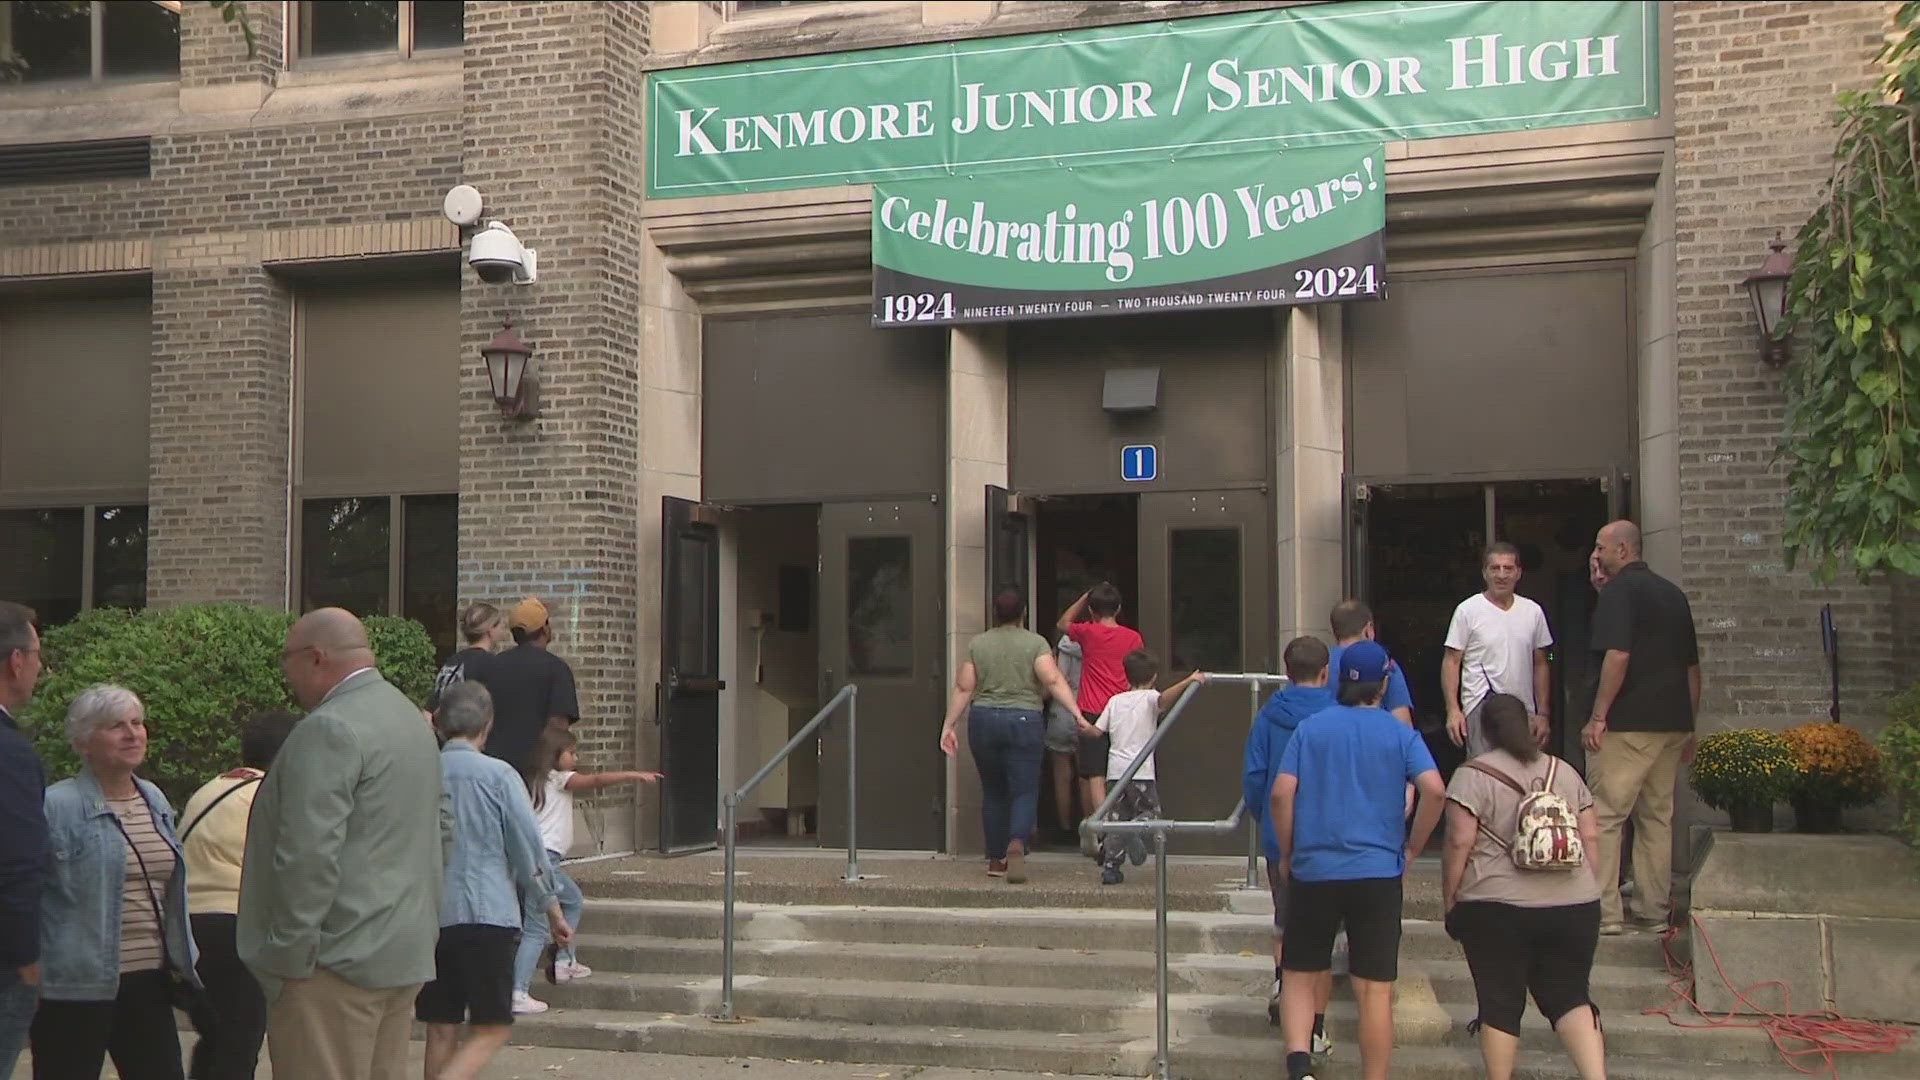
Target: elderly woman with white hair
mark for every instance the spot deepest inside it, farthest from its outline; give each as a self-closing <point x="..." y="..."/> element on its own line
<point x="114" y="930"/>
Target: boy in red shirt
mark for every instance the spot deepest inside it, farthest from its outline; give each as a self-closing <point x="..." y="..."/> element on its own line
<point x="1103" y="644"/>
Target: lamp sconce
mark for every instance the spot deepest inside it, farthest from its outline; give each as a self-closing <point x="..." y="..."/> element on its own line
<point x="1767" y="287"/>
<point x="516" y="389"/>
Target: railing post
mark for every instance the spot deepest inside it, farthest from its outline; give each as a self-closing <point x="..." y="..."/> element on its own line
<point x="853" y="786"/>
<point x="731" y="803"/>
<point x="1253" y="822"/>
<point x="1161" y="1066"/>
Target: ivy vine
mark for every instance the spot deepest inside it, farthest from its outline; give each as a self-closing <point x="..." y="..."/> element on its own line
<point x="1853" y="427"/>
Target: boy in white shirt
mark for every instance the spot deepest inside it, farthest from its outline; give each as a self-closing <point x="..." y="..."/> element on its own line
<point x="1129" y="719"/>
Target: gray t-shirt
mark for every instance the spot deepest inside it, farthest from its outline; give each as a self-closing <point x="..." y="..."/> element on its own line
<point x="1003" y="660"/>
<point x="1491" y="874"/>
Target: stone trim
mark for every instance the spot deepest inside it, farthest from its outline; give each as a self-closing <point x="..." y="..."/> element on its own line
<point x="56" y="260"/>
<point x="359" y="241"/>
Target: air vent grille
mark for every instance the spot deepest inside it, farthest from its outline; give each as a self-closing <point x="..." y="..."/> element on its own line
<point x="55" y="163"/>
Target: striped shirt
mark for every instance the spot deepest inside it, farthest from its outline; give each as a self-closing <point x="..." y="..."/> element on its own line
<point x="141" y="947"/>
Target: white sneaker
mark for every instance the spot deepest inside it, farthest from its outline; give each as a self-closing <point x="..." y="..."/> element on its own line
<point x="525" y="1004"/>
<point x="570" y="970"/>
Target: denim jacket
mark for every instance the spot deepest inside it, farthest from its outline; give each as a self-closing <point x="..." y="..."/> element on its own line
<point x="498" y="857"/>
<point x="80" y="916"/>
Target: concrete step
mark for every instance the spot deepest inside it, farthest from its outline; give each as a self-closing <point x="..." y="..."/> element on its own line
<point x="1248" y="974"/>
<point x="1211" y="933"/>
<point x="1057" y="880"/>
<point x="1097" y="1053"/>
<point x="993" y="1012"/>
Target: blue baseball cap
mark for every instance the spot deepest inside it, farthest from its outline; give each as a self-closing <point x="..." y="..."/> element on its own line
<point x="1363" y="662"/>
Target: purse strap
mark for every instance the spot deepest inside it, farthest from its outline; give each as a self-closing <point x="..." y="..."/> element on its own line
<point x="217" y="800"/>
<point x="146" y="880"/>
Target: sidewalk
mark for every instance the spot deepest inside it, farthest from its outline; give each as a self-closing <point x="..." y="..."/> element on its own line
<point x="537" y="1063"/>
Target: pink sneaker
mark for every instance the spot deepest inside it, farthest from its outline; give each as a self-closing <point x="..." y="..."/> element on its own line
<point x="526" y="1005"/>
<point x="570" y="971"/>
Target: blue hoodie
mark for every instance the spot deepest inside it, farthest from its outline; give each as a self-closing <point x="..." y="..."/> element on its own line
<point x="1267" y="740"/>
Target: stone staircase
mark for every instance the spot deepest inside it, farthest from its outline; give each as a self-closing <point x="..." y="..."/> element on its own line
<point x="1066" y="990"/>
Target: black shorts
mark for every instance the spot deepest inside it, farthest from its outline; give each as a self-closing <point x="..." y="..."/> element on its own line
<point x="472" y="977"/>
<point x="1513" y="951"/>
<point x="1370" y="911"/>
<point x="1090" y="756"/>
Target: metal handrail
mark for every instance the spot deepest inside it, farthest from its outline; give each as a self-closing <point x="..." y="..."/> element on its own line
<point x="1097" y="824"/>
<point x="731" y="812"/>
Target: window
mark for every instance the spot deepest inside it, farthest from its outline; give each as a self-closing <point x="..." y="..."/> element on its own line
<point x="377" y="525"/>
<point x="350" y="552"/>
<point x="63" y="41"/>
<point x="62" y="560"/>
<point x="73" y="452"/>
<point x="880" y="605"/>
<point x="405" y="27"/>
<point x="1203" y="578"/>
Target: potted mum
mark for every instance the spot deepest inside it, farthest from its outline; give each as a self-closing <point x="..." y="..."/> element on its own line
<point x="1835" y="767"/>
<point x="1744" y="773"/>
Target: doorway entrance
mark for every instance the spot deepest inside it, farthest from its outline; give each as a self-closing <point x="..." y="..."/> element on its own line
<point x="1196" y="584"/>
<point x="810" y="597"/>
<point x="1414" y="554"/>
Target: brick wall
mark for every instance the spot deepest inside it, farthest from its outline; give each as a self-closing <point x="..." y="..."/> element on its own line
<point x="214" y="52"/>
<point x="1753" y="93"/>
<point x="549" y="507"/>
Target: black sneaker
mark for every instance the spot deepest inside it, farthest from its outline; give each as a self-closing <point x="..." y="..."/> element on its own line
<point x="1136" y="849"/>
<point x="1111" y="875"/>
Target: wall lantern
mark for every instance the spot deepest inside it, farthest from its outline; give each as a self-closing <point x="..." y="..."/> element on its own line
<point x="515" y="389"/>
<point x="1768" y="288"/>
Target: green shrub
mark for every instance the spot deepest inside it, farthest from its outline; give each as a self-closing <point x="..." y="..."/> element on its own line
<point x="201" y="670"/>
<point x="1900" y="750"/>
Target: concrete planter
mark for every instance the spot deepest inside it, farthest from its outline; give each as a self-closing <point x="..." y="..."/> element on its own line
<point x="1836" y="919"/>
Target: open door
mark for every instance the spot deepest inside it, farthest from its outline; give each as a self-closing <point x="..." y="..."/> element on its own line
<point x="1354" y="526"/>
<point x="1206" y="602"/>
<point x="1009" y="542"/>
<point x="881" y="627"/>
<point x="690" y="684"/>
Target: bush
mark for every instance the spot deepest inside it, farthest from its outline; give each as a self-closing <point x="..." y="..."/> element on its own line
<point x="1900" y="749"/>
<point x="1751" y="767"/>
<point x="201" y="670"/>
<point x="1835" y="765"/>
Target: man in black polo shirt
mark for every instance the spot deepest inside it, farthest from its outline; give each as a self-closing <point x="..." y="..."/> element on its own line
<point x="1642" y="725"/>
<point x="532" y="688"/>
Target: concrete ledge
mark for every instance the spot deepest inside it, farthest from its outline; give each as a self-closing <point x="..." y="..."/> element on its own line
<point x="1864" y="876"/>
<point x="1832" y="922"/>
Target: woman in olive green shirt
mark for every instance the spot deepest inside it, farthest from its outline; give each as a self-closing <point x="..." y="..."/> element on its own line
<point x="1009" y="671"/>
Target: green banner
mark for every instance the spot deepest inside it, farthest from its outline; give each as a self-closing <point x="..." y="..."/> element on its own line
<point x="1315" y="74"/>
<point x="1236" y="230"/>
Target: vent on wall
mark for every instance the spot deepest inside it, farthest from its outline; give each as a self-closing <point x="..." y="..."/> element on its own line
<point x="98" y="159"/>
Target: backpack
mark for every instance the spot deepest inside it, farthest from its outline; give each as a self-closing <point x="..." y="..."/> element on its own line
<point x="1546" y="834"/>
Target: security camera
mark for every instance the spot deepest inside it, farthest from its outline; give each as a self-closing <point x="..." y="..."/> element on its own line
<point x="498" y="257"/>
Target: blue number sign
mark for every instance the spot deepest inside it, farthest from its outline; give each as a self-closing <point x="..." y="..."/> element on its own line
<point x="1138" y="464"/>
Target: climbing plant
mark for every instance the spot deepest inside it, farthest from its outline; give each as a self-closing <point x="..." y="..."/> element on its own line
<point x="1853" y="428"/>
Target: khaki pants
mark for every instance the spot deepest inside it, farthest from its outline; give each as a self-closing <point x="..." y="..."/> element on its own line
<point x="1634" y="775"/>
<point x="326" y="1028"/>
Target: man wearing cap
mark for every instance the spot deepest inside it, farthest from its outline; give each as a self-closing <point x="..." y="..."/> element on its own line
<point x="532" y="688"/>
<point x="1337" y="810"/>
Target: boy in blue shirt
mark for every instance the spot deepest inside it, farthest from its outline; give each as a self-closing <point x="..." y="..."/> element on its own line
<point x="1338" y="816"/>
<point x="1304" y="694"/>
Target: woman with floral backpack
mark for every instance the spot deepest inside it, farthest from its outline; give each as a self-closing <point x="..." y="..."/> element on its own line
<point x="1521" y="894"/>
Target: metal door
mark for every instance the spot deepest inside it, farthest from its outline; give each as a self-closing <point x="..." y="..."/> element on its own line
<point x="1009" y="546"/>
<point x="1206" y="601"/>
<point x="881" y="627"/>
<point x="689" y="688"/>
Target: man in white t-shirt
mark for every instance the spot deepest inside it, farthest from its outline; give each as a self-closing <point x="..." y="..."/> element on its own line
<point x="1496" y="644"/>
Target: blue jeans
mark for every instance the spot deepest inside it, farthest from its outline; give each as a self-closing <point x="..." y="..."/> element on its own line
<point x="17" y="1004"/>
<point x="1008" y="746"/>
<point x="533" y="930"/>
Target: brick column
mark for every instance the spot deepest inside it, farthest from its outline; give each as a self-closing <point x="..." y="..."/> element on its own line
<point x="217" y="73"/>
<point x="219" y="422"/>
<point x="1753" y="138"/>
<point x="552" y="136"/>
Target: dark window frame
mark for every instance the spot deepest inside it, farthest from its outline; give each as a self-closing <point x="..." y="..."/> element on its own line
<point x="90" y="510"/>
<point x="405" y="44"/>
<point x="396" y="597"/>
<point x="97" y="74"/>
